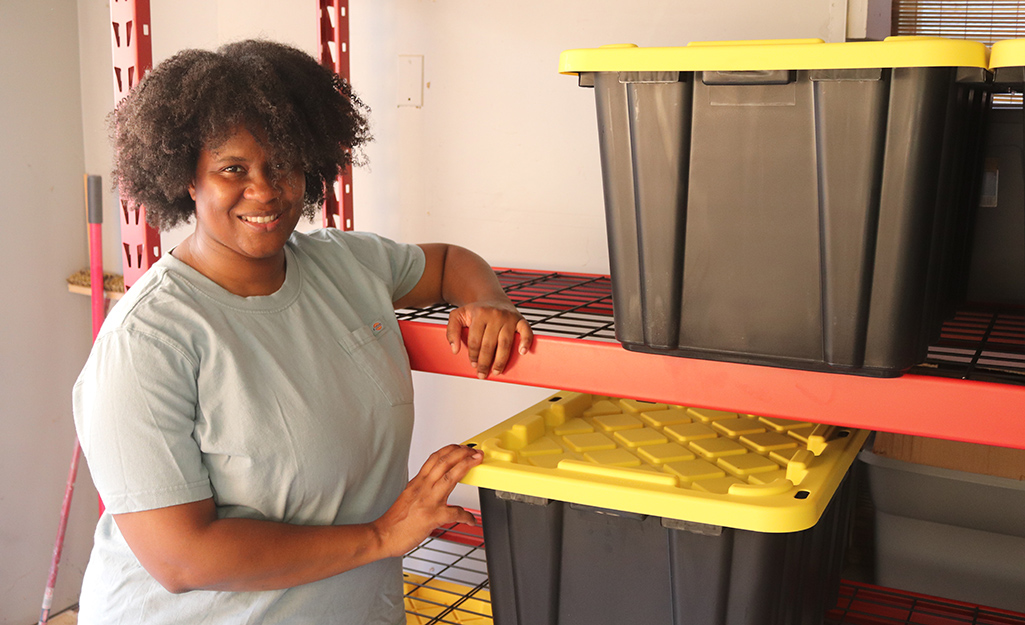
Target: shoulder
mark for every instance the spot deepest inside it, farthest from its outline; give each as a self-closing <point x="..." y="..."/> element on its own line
<point x="366" y="249"/>
<point x="359" y="257"/>
<point x="355" y="243"/>
<point x="156" y="310"/>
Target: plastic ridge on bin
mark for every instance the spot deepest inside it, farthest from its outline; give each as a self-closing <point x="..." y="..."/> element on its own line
<point x="784" y="54"/>
<point x="701" y="466"/>
<point x="1007" y="53"/>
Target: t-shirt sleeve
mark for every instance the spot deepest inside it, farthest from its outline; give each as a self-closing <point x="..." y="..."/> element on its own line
<point x="135" y="410"/>
<point x="399" y="264"/>
<point x="407" y="266"/>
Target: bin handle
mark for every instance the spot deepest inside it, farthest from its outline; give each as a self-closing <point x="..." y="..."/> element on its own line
<point x="618" y="473"/>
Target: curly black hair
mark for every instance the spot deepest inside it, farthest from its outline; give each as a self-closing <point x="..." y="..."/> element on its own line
<point x="302" y="112"/>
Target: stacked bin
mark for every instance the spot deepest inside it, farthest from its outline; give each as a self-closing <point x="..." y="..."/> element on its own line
<point x="603" y="510"/>
<point x="1008" y="64"/>
<point x="789" y="203"/>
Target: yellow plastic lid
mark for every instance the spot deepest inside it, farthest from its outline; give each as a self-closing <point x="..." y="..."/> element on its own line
<point x="1007" y="53"/>
<point x="702" y="466"/>
<point x="778" y="54"/>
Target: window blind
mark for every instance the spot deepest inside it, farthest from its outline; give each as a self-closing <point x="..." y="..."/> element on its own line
<point x="987" y="21"/>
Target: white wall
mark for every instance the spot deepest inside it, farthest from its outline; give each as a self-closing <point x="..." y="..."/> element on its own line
<point x="503" y="155"/>
<point x="502" y="158"/>
<point x="44" y="330"/>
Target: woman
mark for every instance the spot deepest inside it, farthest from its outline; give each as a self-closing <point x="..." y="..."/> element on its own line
<point x="246" y="410"/>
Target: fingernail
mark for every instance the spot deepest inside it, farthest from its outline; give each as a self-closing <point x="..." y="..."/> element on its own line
<point x="523" y="351"/>
<point x="496" y="372"/>
<point x="473" y="363"/>
<point x="482" y="376"/>
<point x="454" y="346"/>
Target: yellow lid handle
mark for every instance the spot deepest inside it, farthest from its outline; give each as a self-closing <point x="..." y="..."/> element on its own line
<point x="778" y="486"/>
<point x="799" y="466"/>
<point x="493" y="450"/>
<point x="618" y="473"/>
<point x="819" y="438"/>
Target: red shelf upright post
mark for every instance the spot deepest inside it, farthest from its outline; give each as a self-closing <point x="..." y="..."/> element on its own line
<point x="133" y="57"/>
<point x="334" y="54"/>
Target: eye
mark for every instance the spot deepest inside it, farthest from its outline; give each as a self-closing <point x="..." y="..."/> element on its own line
<point x="234" y="169"/>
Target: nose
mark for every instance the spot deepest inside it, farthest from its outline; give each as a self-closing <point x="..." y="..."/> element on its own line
<point x="263" y="186"/>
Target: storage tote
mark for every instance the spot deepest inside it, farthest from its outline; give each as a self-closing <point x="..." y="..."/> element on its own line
<point x="948" y="533"/>
<point x="599" y="510"/>
<point x="791" y="203"/>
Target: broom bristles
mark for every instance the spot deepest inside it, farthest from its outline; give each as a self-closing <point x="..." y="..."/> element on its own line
<point x="112" y="282"/>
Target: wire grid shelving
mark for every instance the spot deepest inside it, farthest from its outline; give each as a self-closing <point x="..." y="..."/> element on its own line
<point x="577" y="306"/>
<point x="447" y="584"/>
<point x="983" y="343"/>
<point x="446" y="579"/>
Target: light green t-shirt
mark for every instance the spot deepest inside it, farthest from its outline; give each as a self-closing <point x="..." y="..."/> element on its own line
<point x="293" y="407"/>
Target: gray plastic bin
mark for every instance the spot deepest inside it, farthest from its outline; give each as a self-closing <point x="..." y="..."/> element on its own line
<point x="794" y="204"/>
<point x="948" y="533"/>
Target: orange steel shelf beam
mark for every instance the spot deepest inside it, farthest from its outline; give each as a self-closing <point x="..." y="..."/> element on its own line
<point x="937" y="407"/>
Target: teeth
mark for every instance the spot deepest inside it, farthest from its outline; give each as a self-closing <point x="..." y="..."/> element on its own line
<point x="259" y="220"/>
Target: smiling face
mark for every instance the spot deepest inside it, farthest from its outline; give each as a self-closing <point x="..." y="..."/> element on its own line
<point x="246" y="205"/>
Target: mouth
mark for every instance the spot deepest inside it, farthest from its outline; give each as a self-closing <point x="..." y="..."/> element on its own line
<point x="259" y="219"/>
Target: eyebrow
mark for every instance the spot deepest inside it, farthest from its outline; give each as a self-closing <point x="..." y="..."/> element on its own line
<point x="217" y="158"/>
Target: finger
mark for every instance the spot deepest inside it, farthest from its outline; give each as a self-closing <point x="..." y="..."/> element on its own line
<point x="504" y="350"/>
<point x="449" y="457"/>
<point x="526" y="336"/>
<point x="474" y="336"/>
<point x="455" y="330"/>
<point x="446" y="482"/>
<point x="486" y="353"/>
<point x="460" y="515"/>
<point x="436" y="459"/>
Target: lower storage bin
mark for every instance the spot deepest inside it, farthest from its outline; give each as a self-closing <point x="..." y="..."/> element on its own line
<point x="556" y="563"/>
<point x="598" y="510"/>
<point x="948" y="533"/>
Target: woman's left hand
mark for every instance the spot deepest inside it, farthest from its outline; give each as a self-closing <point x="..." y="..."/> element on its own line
<point x="491" y="336"/>
<point x="459" y="277"/>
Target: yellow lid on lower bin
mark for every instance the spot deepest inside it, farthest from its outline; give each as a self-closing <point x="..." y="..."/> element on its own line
<point x="1007" y="53"/>
<point x="775" y="55"/>
<point x="691" y="464"/>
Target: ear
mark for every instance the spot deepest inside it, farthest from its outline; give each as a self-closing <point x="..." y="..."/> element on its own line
<point x="192" y="190"/>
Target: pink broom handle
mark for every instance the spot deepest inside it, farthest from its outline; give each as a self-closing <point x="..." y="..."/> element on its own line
<point x="94" y="217"/>
<point x="94" y="209"/>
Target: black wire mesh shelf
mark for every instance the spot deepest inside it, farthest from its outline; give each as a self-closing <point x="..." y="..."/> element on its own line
<point x="982" y="343"/>
<point x="446" y="579"/>
<point x="569" y="305"/>
<point x="863" y="604"/>
<point x="447" y="583"/>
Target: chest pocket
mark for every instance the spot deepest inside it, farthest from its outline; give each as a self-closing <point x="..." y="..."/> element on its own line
<point x="380" y="356"/>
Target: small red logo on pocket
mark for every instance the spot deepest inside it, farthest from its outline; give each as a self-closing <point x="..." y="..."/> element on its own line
<point x="377" y="327"/>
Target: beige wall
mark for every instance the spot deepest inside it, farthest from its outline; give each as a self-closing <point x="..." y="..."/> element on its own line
<point x="44" y="330"/>
<point x="501" y="157"/>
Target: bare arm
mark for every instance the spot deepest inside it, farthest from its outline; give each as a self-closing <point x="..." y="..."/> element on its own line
<point x="187" y="547"/>
<point x="459" y="277"/>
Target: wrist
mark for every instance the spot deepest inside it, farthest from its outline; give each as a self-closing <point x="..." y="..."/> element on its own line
<point x="379" y="540"/>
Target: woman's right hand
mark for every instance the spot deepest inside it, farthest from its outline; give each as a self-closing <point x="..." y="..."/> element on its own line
<point x="423" y="505"/>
